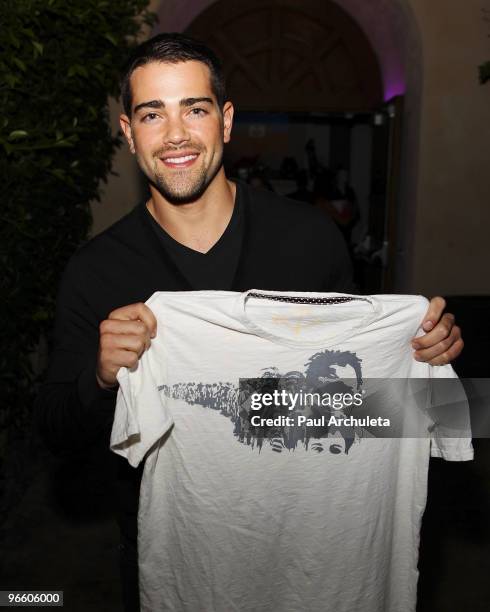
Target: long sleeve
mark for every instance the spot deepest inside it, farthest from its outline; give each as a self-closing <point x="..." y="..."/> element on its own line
<point x="71" y="409"/>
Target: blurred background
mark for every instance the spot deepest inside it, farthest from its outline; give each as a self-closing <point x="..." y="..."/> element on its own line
<point x="376" y="111"/>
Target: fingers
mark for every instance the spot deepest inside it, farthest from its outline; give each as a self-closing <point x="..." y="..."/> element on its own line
<point x="110" y="364"/>
<point x="449" y="355"/>
<point x="111" y="327"/>
<point x="440" y="332"/>
<point x="124" y="336"/>
<point x="128" y="342"/>
<point x="434" y="313"/>
<point x="443" y="351"/>
<point x="122" y="359"/>
<point x="134" y="312"/>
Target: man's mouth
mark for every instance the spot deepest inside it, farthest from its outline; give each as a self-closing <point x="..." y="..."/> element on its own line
<point x="181" y="160"/>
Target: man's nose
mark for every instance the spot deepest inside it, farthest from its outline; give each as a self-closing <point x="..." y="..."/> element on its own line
<point x="176" y="131"/>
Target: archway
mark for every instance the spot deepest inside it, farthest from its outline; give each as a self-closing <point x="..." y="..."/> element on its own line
<point x="389" y="26"/>
<point x="291" y="56"/>
<point x="393" y="34"/>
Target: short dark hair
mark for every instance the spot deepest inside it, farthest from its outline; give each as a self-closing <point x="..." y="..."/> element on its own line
<point x="172" y="48"/>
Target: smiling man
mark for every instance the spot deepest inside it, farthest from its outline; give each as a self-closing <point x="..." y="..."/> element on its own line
<point x="198" y="230"/>
<point x="183" y="166"/>
<point x="190" y="196"/>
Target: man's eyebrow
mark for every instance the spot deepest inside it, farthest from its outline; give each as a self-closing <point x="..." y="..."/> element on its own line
<point x="149" y="104"/>
<point x="185" y="102"/>
<point x="192" y="101"/>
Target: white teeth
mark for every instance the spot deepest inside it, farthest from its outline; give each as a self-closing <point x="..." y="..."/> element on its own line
<point x="180" y="160"/>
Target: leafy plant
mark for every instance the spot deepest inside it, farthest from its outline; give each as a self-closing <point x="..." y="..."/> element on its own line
<point x="59" y="62"/>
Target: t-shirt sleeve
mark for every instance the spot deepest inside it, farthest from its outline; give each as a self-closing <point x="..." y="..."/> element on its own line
<point x="142" y="416"/>
<point x="451" y="431"/>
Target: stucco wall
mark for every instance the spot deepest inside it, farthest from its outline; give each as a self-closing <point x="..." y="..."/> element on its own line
<point x="434" y="48"/>
<point x="451" y="242"/>
<point x="121" y="192"/>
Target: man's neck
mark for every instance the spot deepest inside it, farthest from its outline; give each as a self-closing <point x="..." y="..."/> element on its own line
<point x="200" y="224"/>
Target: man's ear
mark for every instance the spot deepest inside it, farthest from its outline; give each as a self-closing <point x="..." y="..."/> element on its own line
<point x="125" y="123"/>
<point x="228" y="111"/>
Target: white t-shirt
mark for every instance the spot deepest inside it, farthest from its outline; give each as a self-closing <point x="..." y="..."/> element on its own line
<point x="232" y="520"/>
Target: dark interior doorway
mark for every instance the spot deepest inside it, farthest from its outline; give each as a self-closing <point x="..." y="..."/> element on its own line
<point x="351" y="158"/>
<point x="308" y="94"/>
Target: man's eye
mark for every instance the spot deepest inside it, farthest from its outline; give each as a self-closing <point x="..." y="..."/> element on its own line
<point x="150" y="117"/>
<point x="198" y="111"/>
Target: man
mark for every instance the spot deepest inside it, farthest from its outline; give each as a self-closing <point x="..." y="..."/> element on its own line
<point x="198" y="230"/>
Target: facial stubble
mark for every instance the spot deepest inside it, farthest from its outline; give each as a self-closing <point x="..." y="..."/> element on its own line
<point x="186" y="185"/>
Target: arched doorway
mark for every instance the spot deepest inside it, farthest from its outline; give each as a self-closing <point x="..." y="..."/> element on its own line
<point x="271" y="65"/>
<point x="292" y="56"/>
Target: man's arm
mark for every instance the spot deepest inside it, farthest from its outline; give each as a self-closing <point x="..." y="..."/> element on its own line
<point x="71" y="409"/>
<point x="76" y="403"/>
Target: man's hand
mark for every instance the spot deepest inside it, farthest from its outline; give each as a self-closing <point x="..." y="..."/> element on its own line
<point x="442" y="343"/>
<point x="124" y="336"/>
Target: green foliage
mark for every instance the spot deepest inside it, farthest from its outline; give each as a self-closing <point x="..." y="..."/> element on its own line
<point x="59" y="61"/>
<point x="484" y="71"/>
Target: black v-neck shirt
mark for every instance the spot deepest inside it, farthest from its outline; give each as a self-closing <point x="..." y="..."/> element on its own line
<point x="215" y="269"/>
<point x="285" y="246"/>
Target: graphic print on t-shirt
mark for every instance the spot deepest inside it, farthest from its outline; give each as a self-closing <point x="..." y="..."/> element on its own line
<point x="327" y="374"/>
<point x="225" y="521"/>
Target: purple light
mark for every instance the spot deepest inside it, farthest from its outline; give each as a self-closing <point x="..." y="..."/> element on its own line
<point x="395" y="88"/>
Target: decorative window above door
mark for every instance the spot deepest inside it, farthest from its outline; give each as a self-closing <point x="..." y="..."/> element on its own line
<point x="291" y="55"/>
